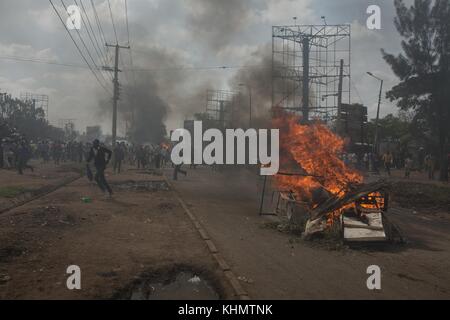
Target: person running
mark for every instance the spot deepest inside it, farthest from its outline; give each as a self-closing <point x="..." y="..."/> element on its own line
<point x="101" y="157"/>
<point x="177" y="169"/>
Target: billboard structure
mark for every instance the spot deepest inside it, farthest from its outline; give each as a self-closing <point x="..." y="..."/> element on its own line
<point x="220" y="105"/>
<point x="39" y="101"/>
<point x="311" y="69"/>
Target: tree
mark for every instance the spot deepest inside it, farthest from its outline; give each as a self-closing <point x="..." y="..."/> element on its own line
<point x="424" y="68"/>
<point x="23" y="118"/>
<point x="392" y="128"/>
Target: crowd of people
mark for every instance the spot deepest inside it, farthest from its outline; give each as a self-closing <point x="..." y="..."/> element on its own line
<point x="16" y="154"/>
<point x="386" y="161"/>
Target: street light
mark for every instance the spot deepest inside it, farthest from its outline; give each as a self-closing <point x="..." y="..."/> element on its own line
<point x="250" y="104"/>
<point x="375" y="147"/>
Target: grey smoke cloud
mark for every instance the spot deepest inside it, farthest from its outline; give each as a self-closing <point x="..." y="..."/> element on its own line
<point x="216" y="22"/>
<point x="175" y="33"/>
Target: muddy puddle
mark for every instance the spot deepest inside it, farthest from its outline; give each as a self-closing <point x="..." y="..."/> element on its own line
<point x="184" y="285"/>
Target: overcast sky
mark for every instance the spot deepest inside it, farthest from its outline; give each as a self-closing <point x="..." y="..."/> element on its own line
<point x="169" y="34"/>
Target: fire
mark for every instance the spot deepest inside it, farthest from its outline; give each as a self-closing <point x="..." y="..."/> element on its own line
<point x="374" y="200"/>
<point x="315" y="151"/>
<point x="165" y="146"/>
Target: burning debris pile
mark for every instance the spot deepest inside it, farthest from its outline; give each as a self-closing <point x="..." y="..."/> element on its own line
<point x="315" y="182"/>
<point x="313" y="151"/>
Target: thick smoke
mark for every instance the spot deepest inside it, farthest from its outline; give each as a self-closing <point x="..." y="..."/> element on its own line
<point x="145" y="111"/>
<point x="217" y="21"/>
<point x="258" y="77"/>
<point x="162" y="84"/>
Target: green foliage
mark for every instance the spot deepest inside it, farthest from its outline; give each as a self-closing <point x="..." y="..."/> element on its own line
<point x="11" y="192"/>
<point x="392" y="128"/>
<point x="424" y="69"/>
<point x="26" y="120"/>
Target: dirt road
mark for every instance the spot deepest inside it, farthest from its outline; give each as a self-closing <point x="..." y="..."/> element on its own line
<point x="274" y="265"/>
<point x="143" y="234"/>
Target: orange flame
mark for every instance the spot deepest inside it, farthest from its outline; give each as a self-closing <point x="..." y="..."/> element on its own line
<point x="316" y="150"/>
<point x="165" y="145"/>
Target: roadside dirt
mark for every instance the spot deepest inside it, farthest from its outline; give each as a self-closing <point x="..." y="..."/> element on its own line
<point x="115" y="242"/>
<point x="416" y="195"/>
<point x="15" y="188"/>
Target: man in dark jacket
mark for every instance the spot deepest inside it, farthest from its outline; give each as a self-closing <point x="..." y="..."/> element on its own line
<point x="101" y="157"/>
<point x="23" y="156"/>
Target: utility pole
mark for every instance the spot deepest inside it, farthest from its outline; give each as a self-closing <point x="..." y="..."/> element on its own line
<point x="377" y="120"/>
<point x="377" y="129"/>
<point x="116" y="89"/>
<point x="305" y="91"/>
<point x="250" y="106"/>
<point x="249" y="88"/>
<point x="339" y="106"/>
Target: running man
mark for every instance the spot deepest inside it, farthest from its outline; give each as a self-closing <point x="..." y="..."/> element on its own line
<point x="101" y="157"/>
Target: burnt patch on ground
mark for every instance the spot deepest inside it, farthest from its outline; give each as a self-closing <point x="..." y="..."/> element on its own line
<point x="9" y="252"/>
<point x="165" y="207"/>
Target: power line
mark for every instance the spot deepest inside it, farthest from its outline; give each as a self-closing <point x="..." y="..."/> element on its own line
<point x="42" y="61"/>
<point x="74" y="65"/>
<point x="91" y="37"/>
<point x="78" y="48"/>
<point x="85" y="46"/>
<point x="100" y="29"/>
<point x="112" y="20"/>
<point x="102" y="55"/>
<point x="129" y="44"/>
<point x="195" y="68"/>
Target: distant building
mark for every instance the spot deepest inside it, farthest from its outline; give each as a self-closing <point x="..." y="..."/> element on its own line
<point x="352" y="123"/>
<point x="93" y="133"/>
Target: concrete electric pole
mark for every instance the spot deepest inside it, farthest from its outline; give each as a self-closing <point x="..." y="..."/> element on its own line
<point x="116" y="89"/>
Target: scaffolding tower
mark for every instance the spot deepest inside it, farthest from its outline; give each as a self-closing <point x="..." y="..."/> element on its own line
<point x="68" y="125"/>
<point x="40" y="101"/>
<point x="311" y="69"/>
<point x="220" y="105"/>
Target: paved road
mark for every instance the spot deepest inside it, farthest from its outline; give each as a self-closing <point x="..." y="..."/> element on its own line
<point x="281" y="266"/>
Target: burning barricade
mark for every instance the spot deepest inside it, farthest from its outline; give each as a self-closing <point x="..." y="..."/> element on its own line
<point x="315" y="185"/>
